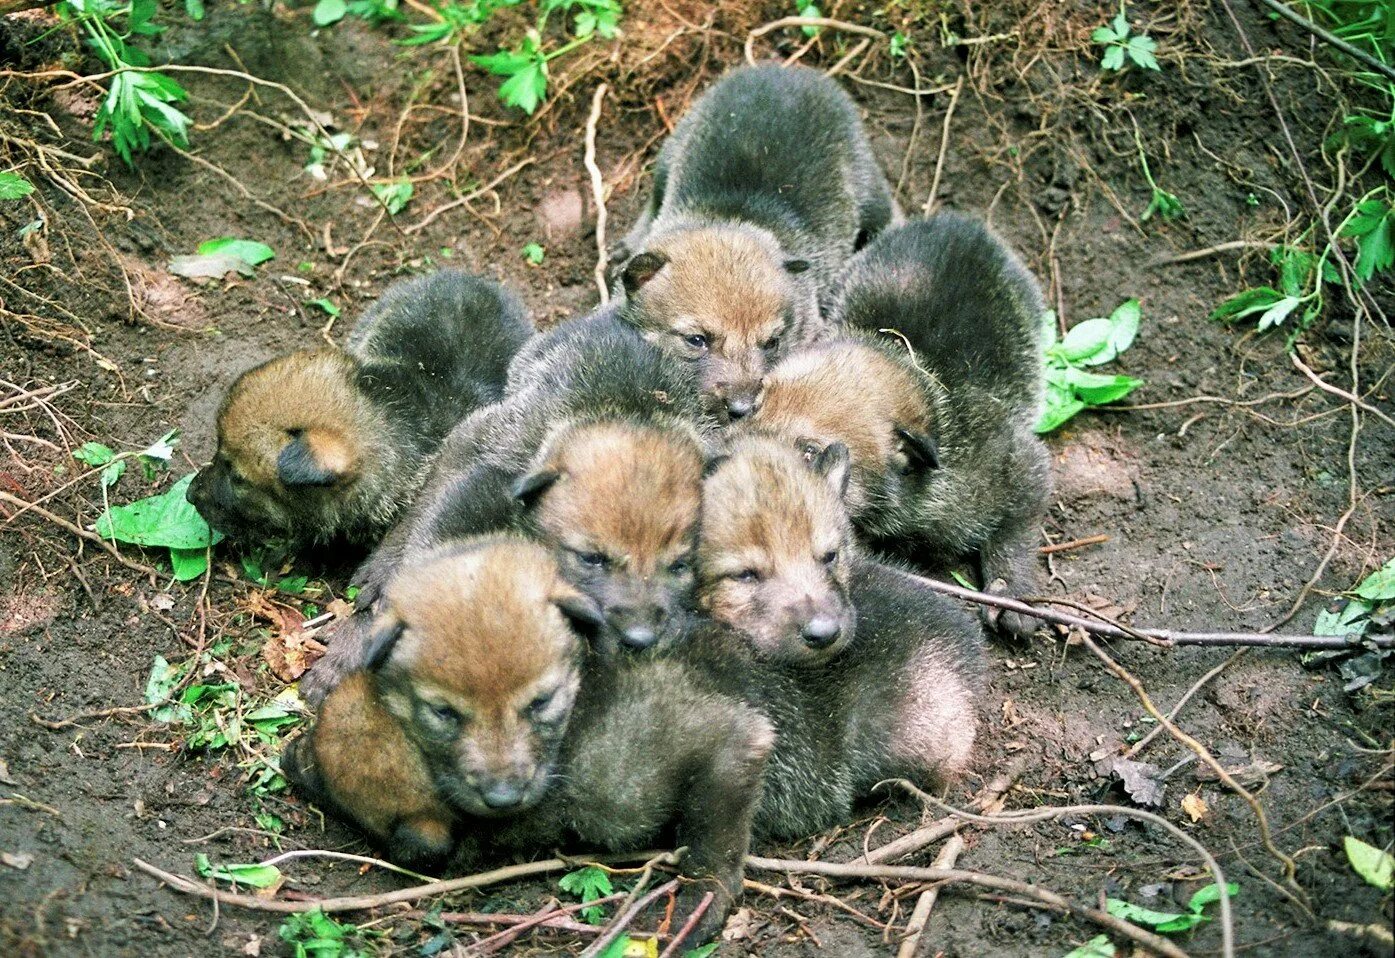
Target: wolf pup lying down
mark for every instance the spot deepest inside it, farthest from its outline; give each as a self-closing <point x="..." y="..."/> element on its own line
<point x="765" y="188"/>
<point x="328" y="445"/>
<point x="937" y="417"/>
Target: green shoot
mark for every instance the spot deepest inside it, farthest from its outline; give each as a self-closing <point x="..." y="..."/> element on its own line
<point x="14" y="187"/>
<point x="808" y="8"/>
<point x="1163" y="203"/>
<point x="1097" y="947"/>
<point x="900" y="44"/>
<point x="534" y="253"/>
<point x="1368" y="607"/>
<point x="588" y="884"/>
<point x="313" y="934"/>
<point x="252" y="876"/>
<point x="395" y="195"/>
<point x="1119" y="44"/>
<point x="1069" y="388"/>
<point x="1372" y="864"/>
<point x="325" y="306"/>
<point x="1171" y="922"/>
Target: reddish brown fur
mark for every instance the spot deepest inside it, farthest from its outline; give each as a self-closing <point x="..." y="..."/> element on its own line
<point x="632" y="493"/>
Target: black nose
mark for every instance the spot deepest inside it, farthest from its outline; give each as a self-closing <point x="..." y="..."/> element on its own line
<point x="821" y="631"/>
<point x="502" y="795"/>
<point x="194" y="490"/>
<point x="739" y="407"/>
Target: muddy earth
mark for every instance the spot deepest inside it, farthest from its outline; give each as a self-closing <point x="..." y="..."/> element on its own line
<point x="1229" y="485"/>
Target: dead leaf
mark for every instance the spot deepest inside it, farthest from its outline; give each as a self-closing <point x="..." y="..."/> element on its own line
<point x="339" y="608"/>
<point x="19" y="861"/>
<point x="209" y="266"/>
<point x="1141" y="780"/>
<point x="5" y="773"/>
<point x="284" y="617"/>
<point x="290" y="654"/>
<point x="1195" y="806"/>
<point x="740" y="925"/>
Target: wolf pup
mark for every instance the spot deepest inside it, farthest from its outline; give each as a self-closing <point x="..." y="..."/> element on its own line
<point x="326" y="444"/>
<point x="600" y="459"/>
<point x="766" y="187"/>
<point x="963" y="476"/>
<point x="481" y="657"/>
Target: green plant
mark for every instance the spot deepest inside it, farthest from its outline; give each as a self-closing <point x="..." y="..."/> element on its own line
<point x="166" y="520"/>
<point x="313" y="934"/>
<point x="1368" y="608"/>
<point x="253" y="876"/>
<point x="395" y="195"/>
<point x="899" y="44"/>
<point x="524" y="65"/>
<point x="137" y="102"/>
<point x="216" y="258"/>
<point x="808" y="8"/>
<point x="588" y="884"/>
<point x="1069" y="388"/>
<point x="534" y="253"/>
<point x="1163" y="203"/>
<point x="14" y="187"/>
<point x="1168" y="922"/>
<point x="1372" y="864"/>
<point x="1118" y="43"/>
<point x="1097" y="947"/>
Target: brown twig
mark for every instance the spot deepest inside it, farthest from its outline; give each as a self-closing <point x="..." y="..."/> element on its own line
<point x="1297" y="895"/>
<point x="429" y="218"/>
<point x="626" y="916"/>
<point x="920" y="915"/>
<point x="1338" y="391"/>
<point x="1166" y="637"/>
<point x="548" y="916"/>
<point x="842" y="25"/>
<point x="927" y="835"/>
<point x="80" y="533"/>
<point x="688" y="925"/>
<point x="1072" y="544"/>
<point x="1209" y="251"/>
<point x="597" y="190"/>
<point x="1142" y="743"/>
<point x="1326" y="36"/>
<point x="361" y="902"/>
<point x="955" y="876"/>
<point x="944" y="147"/>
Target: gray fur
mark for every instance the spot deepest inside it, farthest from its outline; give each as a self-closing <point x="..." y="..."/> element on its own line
<point x="971" y="313"/>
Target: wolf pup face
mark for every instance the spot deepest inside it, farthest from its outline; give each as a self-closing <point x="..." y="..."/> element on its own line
<point x="290" y="459"/>
<point x="850" y="392"/>
<point x="479" y="658"/>
<point x="722" y="298"/>
<point x="774" y="550"/>
<point x="619" y="505"/>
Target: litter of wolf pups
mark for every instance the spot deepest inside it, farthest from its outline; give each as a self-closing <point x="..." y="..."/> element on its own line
<point x="645" y="578"/>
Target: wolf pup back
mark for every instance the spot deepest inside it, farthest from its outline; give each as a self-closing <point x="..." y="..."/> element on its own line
<point x="325" y="445"/>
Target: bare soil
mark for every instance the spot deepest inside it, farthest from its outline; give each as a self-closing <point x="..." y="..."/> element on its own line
<point x="1217" y="513"/>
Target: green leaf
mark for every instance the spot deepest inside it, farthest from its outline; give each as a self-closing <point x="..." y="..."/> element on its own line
<point x="900" y="43"/>
<point x="1350" y="619"/>
<point x="534" y="253"/>
<point x="1096" y="389"/>
<point x="94" y="454"/>
<point x="1103" y="35"/>
<point x="1379" y="585"/>
<point x="395" y="196"/>
<point x="1279" y="312"/>
<point x="13" y="186"/>
<point x="1113" y="59"/>
<point x="112" y="474"/>
<point x="1121" y="25"/>
<point x="1058" y="410"/>
<point x="254" y="876"/>
<point x="162" y="448"/>
<point x="1141" y="51"/>
<point x="325" y="305"/>
<point x="188" y="564"/>
<point x="194" y="8"/>
<point x="617" y="948"/>
<point x="1097" y="947"/>
<point x="1372" y="864"/>
<point x="702" y="952"/>
<point x="164" y="520"/>
<point x="503" y="63"/>
<point x="588" y="884"/>
<point x="1157" y="920"/>
<point x="249" y="251"/>
<point x="1375" y="251"/>
<point x="1084" y="340"/>
<point x="1243" y="304"/>
<point x="1210" y="894"/>
<point x="164" y="679"/>
<point x="526" y="88"/>
<point x="1125" y="321"/>
<point x="328" y="12"/>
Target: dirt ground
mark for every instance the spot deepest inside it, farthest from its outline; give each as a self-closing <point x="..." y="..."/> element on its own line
<point x="1220" y="499"/>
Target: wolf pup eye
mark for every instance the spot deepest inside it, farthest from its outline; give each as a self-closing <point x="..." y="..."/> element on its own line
<point x="810" y="451"/>
<point x="540" y="704"/>
<point x="679" y="567"/>
<point x="830" y="557"/>
<point x="443" y="716"/>
<point x="595" y="560"/>
<point x="747" y="575"/>
<point x="771" y="344"/>
<point x="697" y="341"/>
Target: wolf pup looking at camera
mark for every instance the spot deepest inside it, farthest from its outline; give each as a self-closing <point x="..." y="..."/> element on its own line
<point x="937" y="414"/>
<point x="328" y="445"/>
<point x="481" y="658"/>
<point x="766" y="187"/>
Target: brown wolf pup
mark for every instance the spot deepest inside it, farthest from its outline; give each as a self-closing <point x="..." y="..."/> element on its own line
<point x="765" y="188"/>
<point x="959" y="474"/>
<point x="600" y="458"/>
<point x="481" y="658"/>
<point x="325" y="445"/>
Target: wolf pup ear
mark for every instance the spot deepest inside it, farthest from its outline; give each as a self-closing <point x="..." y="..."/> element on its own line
<point x="835" y="465"/>
<point x="712" y="465"/>
<point x="641" y="269"/>
<point x="796" y="266"/>
<point x="314" y="457"/>
<point x="581" y="611"/>
<point x="921" y="450"/>
<point x="384" y="640"/>
<point x="528" y="489"/>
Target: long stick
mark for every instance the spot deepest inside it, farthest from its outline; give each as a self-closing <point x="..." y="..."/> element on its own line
<point x="597" y="190"/>
<point x="1331" y="38"/>
<point x="1160" y="636"/>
